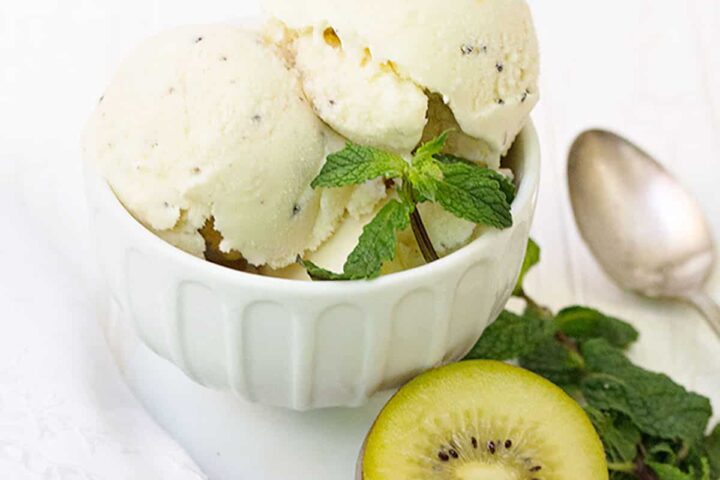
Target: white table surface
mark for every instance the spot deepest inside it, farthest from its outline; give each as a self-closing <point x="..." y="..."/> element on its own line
<point x="647" y="68"/>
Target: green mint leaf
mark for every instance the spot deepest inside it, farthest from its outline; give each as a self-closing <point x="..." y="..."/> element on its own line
<point x="429" y="149"/>
<point x="619" y="435"/>
<point x="356" y="164"/>
<point x="711" y="449"/>
<point x="583" y="324"/>
<point x="507" y="186"/>
<point x="532" y="258"/>
<point x="424" y="173"/>
<point x="657" y="405"/>
<point x="669" y="472"/>
<point x="473" y="193"/>
<point x="662" y="453"/>
<point x="424" y="181"/>
<point x="706" y="470"/>
<point x="378" y="242"/>
<point x="320" y="274"/>
<point x="511" y="336"/>
<point x="555" y="362"/>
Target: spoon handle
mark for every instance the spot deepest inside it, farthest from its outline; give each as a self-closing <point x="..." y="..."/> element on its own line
<point x="709" y="308"/>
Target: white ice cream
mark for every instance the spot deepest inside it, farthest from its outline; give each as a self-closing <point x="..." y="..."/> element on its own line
<point x="362" y="99"/>
<point x="481" y="57"/>
<point x="208" y="122"/>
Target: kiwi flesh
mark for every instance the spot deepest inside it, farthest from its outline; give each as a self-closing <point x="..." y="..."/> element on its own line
<point x="482" y="420"/>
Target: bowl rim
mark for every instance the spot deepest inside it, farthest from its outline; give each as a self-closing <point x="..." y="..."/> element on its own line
<point x="526" y="194"/>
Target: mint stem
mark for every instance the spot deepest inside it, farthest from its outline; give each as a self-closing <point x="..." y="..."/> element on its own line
<point x="422" y="237"/>
<point x="627" y="467"/>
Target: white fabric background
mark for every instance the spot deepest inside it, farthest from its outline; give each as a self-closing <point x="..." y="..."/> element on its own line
<point x="647" y="68"/>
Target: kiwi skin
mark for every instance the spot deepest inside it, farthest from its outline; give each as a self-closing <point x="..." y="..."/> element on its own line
<point x="479" y="376"/>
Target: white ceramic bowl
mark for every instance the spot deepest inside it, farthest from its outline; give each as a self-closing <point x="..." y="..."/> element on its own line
<point x="305" y="345"/>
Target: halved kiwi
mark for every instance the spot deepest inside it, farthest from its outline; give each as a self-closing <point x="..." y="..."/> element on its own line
<point x="482" y="420"/>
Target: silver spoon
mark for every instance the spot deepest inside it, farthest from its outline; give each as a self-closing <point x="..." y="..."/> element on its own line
<point x="645" y="229"/>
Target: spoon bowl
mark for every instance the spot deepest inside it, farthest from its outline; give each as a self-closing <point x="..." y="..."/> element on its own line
<point x="646" y="230"/>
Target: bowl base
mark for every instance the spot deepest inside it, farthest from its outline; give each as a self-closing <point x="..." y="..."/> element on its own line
<point x="231" y="439"/>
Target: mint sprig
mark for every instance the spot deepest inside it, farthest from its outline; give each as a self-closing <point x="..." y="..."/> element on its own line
<point x="466" y="190"/>
<point x="651" y="427"/>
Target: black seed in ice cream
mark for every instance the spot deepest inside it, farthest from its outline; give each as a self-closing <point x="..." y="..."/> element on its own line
<point x="467" y="49"/>
<point x="501" y="101"/>
<point x="256" y="118"/>
<point x="500" y="67"/>
<point x="199" y="39"/>
<point x="296" y="210"/>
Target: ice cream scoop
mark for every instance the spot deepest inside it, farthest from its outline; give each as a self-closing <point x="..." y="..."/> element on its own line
<point x="208" y="123"/>
<point x="481" y="58"/>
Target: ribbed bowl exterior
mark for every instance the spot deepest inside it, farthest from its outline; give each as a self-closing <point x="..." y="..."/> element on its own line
<point x="304" y="345"/>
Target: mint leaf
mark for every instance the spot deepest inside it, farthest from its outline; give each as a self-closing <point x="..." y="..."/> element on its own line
<point x="553" y="361"/>
<point x="320" y="274"/>
<point x="509" y="337"/>
<point x="662" y="453"/>
<point x="424" y="181"/>
<point x="657" y="405"/>
<point x="620" y="437"/>
<point x="669" y="472"/>
<point x="429" y="149"/>
<point x="706" y="470"/>
<point x="582" y="324"/>
<point x="356" y="164"/>
<point x="507" y="186"/>
<point x="711" y="449"/>
<point x="532" y="258"/>
<point x="424" y="174"/>
<point x="377" y="244"/>
<point x="473" y="193"/>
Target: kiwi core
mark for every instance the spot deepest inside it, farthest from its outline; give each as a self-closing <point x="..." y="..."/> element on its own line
<point x="477" y="471"/>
